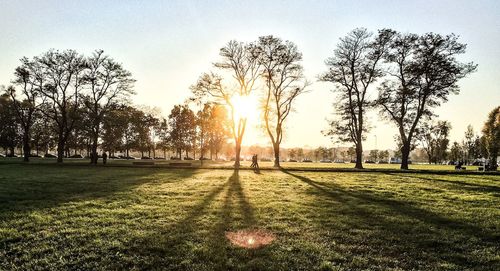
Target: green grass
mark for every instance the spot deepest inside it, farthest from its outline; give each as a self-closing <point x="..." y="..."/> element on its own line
<point x="86" y="218"/>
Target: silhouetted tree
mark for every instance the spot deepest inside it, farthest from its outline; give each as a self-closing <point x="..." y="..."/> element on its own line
<point x="29" y="80"/>
<point x="284" y="82"/>
<point x="107" y="83"/>
<point x="63" y="74"/>
<point x="353" y="69"/>
<point x="240" y="63"/>
<point x="424" y="72"/>
<point x="9" y="124"/>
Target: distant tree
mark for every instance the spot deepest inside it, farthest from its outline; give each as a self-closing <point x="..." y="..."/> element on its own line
<point x="491" y="132"/>
<point x="471" y="145"/>
<point x="182" y="125"/>
<point x="456" y="152"/>
<point x="351" y="152"/>
<point x="300" y="153"/>
<point x="218" y="129"/>
<point x="107" y="84"/>
<point x="283" y="83"/>
<point x="434" y="138"/>
<point x="353" y="69"/>
<point x="115" y="124"/>
<point x="383" y="155"/>
<point x="483" y="147"/>
<point x="424" y="71"/>
<point x="203" y="128"/>
<point x="292" y="154"/>
<point x="373" y="155"/>
<point x="240" y="63"/>
<point x="161" y="131"/>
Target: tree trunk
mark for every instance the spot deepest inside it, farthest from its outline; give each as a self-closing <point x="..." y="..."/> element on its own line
<point x="359" y="156"/>
<point x="276" y="148"/>
<point x="60" y="150"/>
<point x="26" y="146"/>
<point x="237" y="153"/>
<point x="405" y="153"/>
<point x="93" y="157"/>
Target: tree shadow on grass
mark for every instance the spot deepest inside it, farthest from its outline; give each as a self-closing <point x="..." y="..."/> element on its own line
<point x="423" y="238"/>
<point x="455" y="184"/>
<point x="31" y="188"/>
<point x="198" y="241"/>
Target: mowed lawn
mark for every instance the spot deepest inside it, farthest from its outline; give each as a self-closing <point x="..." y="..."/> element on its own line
<point x="105" y="218"/>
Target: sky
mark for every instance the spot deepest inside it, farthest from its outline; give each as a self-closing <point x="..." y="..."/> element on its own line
<point x="168" y="44"/>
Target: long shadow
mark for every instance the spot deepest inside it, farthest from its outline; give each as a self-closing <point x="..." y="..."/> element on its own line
<point x="178" y="239"/>
<point x="456" y="184"/>
<point x="435" y="224"/>
<point x="30" y="188"/>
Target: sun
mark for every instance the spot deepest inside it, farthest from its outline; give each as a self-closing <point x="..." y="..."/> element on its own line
<point x="245" y="107"/>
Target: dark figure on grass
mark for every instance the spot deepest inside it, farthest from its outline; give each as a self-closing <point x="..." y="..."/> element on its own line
<point x="104" y="158"/>
<point x="255" y="164"/>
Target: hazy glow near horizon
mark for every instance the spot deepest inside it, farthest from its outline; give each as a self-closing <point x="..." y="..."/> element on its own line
<point x="168" y="44"/>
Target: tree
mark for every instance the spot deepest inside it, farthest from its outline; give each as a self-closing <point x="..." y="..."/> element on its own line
<point x="383" y="155"/>
<point x="182" y="125"/>
<point x="374" y="155"/>
<point x="471" y="145"/>
<point x="10" y="125"/>
<point x="115" y="124"/>
<point x="456" y="152"/>
<point x="434" y="140"/>
<point x="203" y="122"/>
<point x="161" y="131"/>
<point x="300" y="154"/>
<point x="424" y="71"/>
<point x="107" y="84"/>
<point x="63" y="73"/>
<point x="292" y="154"/>
<point x="218" y="129"/>
<point x="284" y="82"/>
<point x="352" y="153"/>
<point x="353" y="69"/>
<point x="240" y="64"/>
<point x="491" y="132"/>
<point x="29" y="79"/>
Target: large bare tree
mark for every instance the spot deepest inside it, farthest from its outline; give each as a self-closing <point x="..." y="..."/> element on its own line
<point x="63" y="72"/>
<point x="283" y="83"/>
<point x="238" y="72"/>
<point x="424" y="71"/>
<point x="107" y="84"/>
<point x="353" y="69"/>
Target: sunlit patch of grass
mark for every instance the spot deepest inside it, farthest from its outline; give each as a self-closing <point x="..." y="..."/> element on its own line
<point x="86" y="218"/>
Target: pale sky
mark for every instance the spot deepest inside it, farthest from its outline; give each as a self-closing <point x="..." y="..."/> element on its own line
<point x="168" y="44"/>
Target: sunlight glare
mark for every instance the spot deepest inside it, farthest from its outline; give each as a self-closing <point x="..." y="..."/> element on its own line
<point x="245" y="106"/>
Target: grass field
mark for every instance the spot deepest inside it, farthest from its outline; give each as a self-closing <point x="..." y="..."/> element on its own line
<point x="109" y="218"/>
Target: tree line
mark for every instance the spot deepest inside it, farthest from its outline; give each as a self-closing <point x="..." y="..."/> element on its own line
<point x="66" y="100"/>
